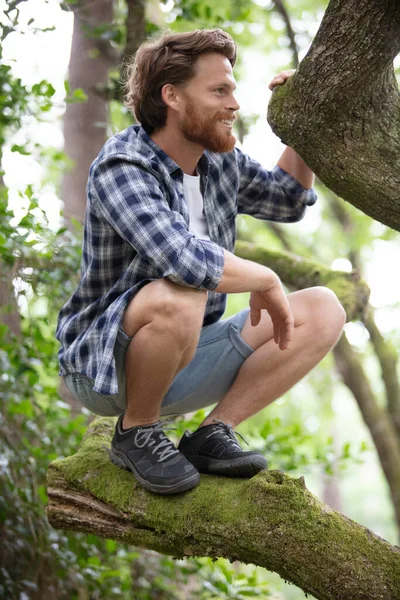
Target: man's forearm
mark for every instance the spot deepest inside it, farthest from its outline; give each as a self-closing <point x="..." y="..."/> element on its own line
<point x="240" y="275"/>
<point x="293" y="164"/>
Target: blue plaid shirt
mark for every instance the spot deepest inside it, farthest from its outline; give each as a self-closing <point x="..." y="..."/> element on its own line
<point x="137" y="230"/>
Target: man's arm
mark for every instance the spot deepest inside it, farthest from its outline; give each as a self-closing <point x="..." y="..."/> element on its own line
<point x="240" y="275"/>
<point x="293" y="164"/>
<point x="130" y="200"/>
<point x="290" y="161"/>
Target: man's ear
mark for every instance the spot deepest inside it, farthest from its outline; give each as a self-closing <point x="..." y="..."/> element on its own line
<point x="171" y="96"/>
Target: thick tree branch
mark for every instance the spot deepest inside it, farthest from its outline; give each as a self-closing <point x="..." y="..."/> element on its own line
<point x="299" y="273"/>
<point x="270" y="520"/>
<point x="341" y="110"/>
<point x="380" y="426"/>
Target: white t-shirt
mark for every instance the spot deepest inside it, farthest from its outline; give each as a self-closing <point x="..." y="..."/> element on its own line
<point x="194" y="200"/>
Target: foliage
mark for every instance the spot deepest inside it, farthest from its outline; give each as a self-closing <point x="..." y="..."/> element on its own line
<point x="36" y="426"/>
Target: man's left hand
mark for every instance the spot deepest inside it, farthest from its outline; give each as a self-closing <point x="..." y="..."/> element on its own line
<point x="281" y="78"/>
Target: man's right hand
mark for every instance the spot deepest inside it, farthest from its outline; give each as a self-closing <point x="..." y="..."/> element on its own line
<point x="240" y="275"/>
<point x="275" y="302"/>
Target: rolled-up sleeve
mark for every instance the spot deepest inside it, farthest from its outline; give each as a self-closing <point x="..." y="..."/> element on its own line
<point x="274" y="195"/>
<point x="130" y="199"/>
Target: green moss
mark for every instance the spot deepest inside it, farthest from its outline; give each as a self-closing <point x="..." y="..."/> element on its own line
<point x="301" y="273"/>
<point x="271" y="520"/>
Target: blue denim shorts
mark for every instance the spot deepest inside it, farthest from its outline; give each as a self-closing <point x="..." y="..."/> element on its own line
<point x="220" y="353"/>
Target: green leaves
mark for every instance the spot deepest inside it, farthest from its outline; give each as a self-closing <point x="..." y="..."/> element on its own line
<point x="75" y="96"/>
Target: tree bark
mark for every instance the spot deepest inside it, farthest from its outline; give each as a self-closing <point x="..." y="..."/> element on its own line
<point x="270" y="520"/>
<point x="341" y="110"/>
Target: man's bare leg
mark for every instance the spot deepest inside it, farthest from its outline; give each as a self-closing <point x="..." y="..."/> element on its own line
<point x="165" y="320"/>
<point x="269" y="372"/>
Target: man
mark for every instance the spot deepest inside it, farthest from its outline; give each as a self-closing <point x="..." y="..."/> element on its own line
<point x="142" y="336"/>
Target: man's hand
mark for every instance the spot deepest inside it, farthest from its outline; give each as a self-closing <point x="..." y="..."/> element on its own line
<point x="281" y="78"/>
<point x="275" y="302"/>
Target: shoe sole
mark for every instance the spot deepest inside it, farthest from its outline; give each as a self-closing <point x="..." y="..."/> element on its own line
<point x="237" y="467"/>
<point x="117" y="458"/>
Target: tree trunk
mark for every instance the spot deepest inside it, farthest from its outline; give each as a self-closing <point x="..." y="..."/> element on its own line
<point x="341" y="110"/>
<point x="270" y="520"/>
<point x="85" y="123"/>
<point x="9" y="314"/>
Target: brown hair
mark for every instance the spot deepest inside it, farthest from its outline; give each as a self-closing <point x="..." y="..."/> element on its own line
<point x="169" y="59"/>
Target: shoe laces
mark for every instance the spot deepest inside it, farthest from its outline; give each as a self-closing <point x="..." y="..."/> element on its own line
<point x="230" y="434"/>
<point x="164" y="448"/>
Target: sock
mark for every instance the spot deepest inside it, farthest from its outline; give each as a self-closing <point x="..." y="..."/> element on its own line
<point x="124" y="430"/>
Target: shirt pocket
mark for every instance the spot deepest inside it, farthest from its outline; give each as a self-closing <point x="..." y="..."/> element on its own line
<point x="227" y="233"/>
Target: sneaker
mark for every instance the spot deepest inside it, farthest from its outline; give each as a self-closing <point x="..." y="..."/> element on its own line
<point x="153" y="459"/>
<point x="215" y="449"/>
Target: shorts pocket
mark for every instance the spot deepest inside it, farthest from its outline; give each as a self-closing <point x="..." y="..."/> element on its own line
<point x="81" y="387"/>
<point x="238" y="342"/>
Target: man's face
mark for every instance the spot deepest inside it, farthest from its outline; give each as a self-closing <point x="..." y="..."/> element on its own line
<point x="209" y="105"/>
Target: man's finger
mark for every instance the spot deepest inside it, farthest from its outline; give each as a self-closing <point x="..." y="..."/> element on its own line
<point x="255" y="316"/>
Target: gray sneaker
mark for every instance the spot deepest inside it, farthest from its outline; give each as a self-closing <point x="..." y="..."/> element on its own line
<point x="153" y="459"/>
<point x="215" y="449"/>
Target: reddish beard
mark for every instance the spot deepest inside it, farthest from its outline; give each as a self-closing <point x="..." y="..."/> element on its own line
<point x="207" y="131"/>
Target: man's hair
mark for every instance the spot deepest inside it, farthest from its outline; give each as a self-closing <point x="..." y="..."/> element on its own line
<point x="169" y="59"/>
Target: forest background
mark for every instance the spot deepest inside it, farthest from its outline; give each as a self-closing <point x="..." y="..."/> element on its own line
<point x="59" y="71"/>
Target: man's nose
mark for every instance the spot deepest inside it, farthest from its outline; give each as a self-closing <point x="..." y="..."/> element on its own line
<point x="232" y="104"/>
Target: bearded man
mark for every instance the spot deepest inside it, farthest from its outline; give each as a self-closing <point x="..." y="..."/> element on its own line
<point x="142" y="336"/>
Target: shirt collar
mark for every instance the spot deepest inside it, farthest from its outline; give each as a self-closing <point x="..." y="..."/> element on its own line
<point x="202" y="166"/>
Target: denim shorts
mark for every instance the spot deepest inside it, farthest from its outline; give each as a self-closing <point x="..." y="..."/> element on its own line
<point x="220" y="353"/>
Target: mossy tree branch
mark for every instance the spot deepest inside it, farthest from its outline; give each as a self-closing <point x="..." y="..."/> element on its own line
<point x="341" y="110"/>
<point x="298" y="273"/>
<point x="270" y="520"/>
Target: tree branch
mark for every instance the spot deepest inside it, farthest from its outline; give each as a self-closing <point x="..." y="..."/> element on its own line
<point x="388" y="359"/>
<point x="270" y="520"/>
<point x="380" y="426"/>
<point x="281" y="9"/>
<point x="299" y="273"/>
<point x="341" y="109"/>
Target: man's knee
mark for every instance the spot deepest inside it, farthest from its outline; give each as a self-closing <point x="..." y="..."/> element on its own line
<point x="168" y="306"/>
<point x="327" y="315"/>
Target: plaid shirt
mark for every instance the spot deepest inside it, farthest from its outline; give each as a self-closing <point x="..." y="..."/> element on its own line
<point x="137" y="230"/>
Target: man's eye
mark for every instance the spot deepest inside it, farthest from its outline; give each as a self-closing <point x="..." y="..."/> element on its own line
<point x="220" y="90"/>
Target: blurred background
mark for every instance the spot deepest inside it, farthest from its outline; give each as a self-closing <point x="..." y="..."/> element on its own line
<point x="60" y="99"/>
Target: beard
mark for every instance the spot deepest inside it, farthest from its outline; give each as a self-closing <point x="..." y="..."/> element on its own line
<point x="206" y="131"/>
